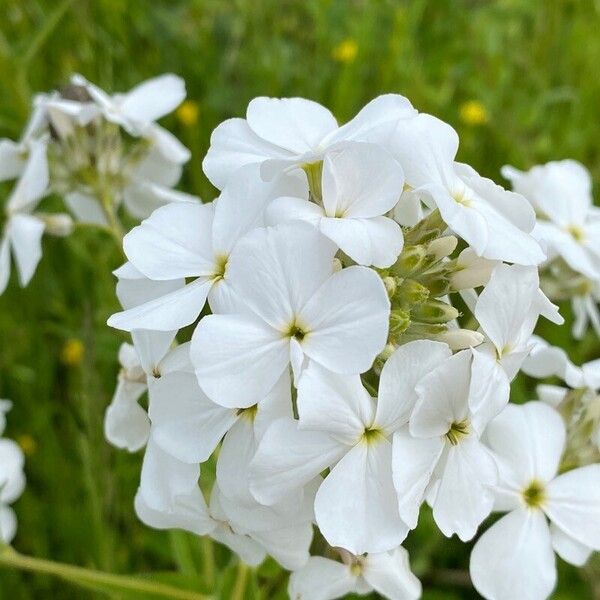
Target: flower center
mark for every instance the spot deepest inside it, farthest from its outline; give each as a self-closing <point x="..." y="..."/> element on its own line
<point x="534" y="495"/>
<point x="458" y="431"/>
<point x="220" y="267"/>
<point x="576" y="232"/>
<point x="461" y="198"/>
<point x="296" y="331"/>
<point x="248" y="413"/>
<point x="371" y="435"/>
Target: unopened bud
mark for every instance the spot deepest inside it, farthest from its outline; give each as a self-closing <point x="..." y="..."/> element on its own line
<point x="434" y="311"/>
<point x="399" y="321"/>
<point x="391" y="285"/>
<point x="59" y="224"/>
<point x="459" y="339"/>
<point x="471" y="270"/>
<point x="337" y="265"/>
<point x="442" y="247"/>
<point x="411" y="292"/>
<point x="410" y="260"/>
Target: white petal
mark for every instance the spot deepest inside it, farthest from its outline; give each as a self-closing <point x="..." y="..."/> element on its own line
<point x="174" y="242"/>
<point x="568" y="548"/>
<point x="354" y="513"/>
<point x="287" y="458"/>
<point x="238" y="359"/>
<point x="288" y="545"/>
<point x="489" y="391"/>
<point x="126" y="424"/>
<point x="154" y="98"/>
<point x="167" y="145"/>
<point x="189" y="513"/>
<point x="85" y="209"/>
<point x="347" y="321"/>
<point x="33" y="183"/>
<point x="413" y="463"/>
<point x="286" y="208"/>
<point x="4" y="263"/>
<point x="506" y="303"/>
<point x="426" y="147"/>
<point x="8" y="524"/>
<point x="360" y="181"/>
<point x="336" y="404"/>
<point x="528" y="442"/>
<point x="12" y="477"/>
<point x="186" y="424"/>
<point x="463" y="498"/>
<point x="514" y="558"/>
<point x="400" y="374"/>
<point x="25" y="233"/>
<point x="166" y="313"/>
<point x="276" y="270"/>
<point x="377" y="121"/>
<point x="242" y="203"/>
<point x="443" y="397"/>
<point x="321" y="579"/>
<point x="232" y="145"/>
<point x="296" y="124"/>
<point x="377" y="241"/>
<point x="574" y="504"/>
<point x="12" y="162"/>
<point x="142" y="198"/>
<point x="389" y="573"/>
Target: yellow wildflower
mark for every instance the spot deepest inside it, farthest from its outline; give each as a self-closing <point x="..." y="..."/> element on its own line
<point x="345" y="51"/>
<point x="72" y="352"/>
<point x="187" y="113"/>
<point x="473" y="113"/>
<point x="27" y="443"/>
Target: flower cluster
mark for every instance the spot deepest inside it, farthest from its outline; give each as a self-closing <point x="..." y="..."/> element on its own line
<point x="12" y="478"/>
<point x="358" y="303"/>
<point x="98" y="153"/>
<point x="568" y="225"/>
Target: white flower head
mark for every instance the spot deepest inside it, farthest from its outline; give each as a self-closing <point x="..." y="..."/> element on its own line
<point x="287" y="133"/>
<point x="496" y="223"/>
<point x="515" y="557"/>
<point x="361" y="182"/>
<point x="388" y="573"/>
<point x="291" y="307"/>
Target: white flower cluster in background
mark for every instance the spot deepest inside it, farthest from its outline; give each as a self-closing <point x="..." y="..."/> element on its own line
<point x="98" y="153"/>
<point x="12" y="478"/>
<point x="568" y="226"/>
<point x="327" y="373"/>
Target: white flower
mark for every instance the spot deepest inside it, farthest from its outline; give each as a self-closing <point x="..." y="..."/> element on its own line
<point x="515" y="558"/>
<point x="585" y="310"/>
<point x="496" y="223"/>
<point x="22" y="231"/>
<point x="292" y="307"/>
<point x="169" y="498"/>
<point x="388" y="573"/>
<point x="507" y="309"/>
<point x="561" y="192"/>
<point x="12" y="479"/>
<point x="439" y="456"/>
<point x="281" y="134"/>
<point x="137" y="110"/>
<point x="361" y="182"/>
<point x="190" y="239"/>
<point x="340" y="427"/>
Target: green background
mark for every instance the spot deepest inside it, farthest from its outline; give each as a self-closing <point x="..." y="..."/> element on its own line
<point x="532" y="64"/>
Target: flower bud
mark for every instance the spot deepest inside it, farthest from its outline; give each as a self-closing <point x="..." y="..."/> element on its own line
<point x="399" y="321"/>
<point x="471" y="270"/>
<point x="434" y="311"/>
<point x="59" y="224"/>
<point x="391" y="285"/>
<point x="337" y="265"/>
<point x="410" y="260"/>
<point x="459" y="339"/>
<point x="442" y="247"/>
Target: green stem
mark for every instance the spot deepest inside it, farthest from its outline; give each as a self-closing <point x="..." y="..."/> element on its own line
<point x="86" y="577"/>
<point x="208" y="564"/>
<point x="238" y="592"/>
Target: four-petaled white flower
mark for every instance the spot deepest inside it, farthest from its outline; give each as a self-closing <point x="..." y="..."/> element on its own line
<point x="290" y="307"/>
<point x="515" y="557"/>
<point x="360" y="183"/>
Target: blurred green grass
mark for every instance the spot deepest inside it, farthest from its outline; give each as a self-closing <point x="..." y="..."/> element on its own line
<point x="533" y="66"/>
